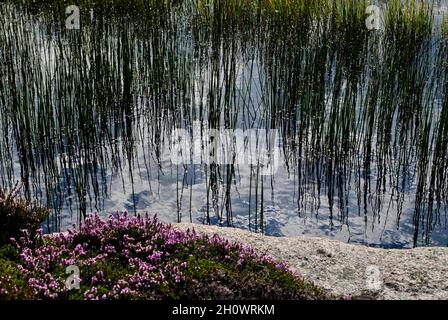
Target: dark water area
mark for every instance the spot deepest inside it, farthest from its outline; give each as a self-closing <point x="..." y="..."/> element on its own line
<point x="90" y="118"/>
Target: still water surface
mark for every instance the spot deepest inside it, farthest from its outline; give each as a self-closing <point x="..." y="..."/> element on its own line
<point x="88" y="120"/>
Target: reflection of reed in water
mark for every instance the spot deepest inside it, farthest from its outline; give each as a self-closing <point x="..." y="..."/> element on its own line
<point x="362" y="121"/>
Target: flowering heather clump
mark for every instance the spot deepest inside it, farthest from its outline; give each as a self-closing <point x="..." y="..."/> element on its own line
<point x="17" y="214"/>
<point x="140" y="258"/>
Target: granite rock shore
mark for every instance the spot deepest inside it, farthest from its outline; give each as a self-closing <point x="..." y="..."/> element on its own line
<point x="349" y="269"/>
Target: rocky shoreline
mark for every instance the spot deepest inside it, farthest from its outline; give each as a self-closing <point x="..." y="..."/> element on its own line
<point x="348" y="269"/>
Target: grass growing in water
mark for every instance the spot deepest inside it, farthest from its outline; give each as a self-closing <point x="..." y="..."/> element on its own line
<point x="361" y="118"/>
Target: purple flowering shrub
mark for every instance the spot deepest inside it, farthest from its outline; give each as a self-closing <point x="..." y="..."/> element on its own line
<point x="17" y="214"/>
<point x="140" y="258"/>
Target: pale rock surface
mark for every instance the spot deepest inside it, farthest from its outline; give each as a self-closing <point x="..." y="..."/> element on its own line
<point x="348" y="269"/>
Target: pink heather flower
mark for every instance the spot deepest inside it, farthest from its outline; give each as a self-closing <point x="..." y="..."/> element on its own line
<point x="91" y="294"/>
<point x="147" y="255"/>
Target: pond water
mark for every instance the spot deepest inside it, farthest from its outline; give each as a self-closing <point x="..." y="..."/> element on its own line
<point x="90" y="119"/>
